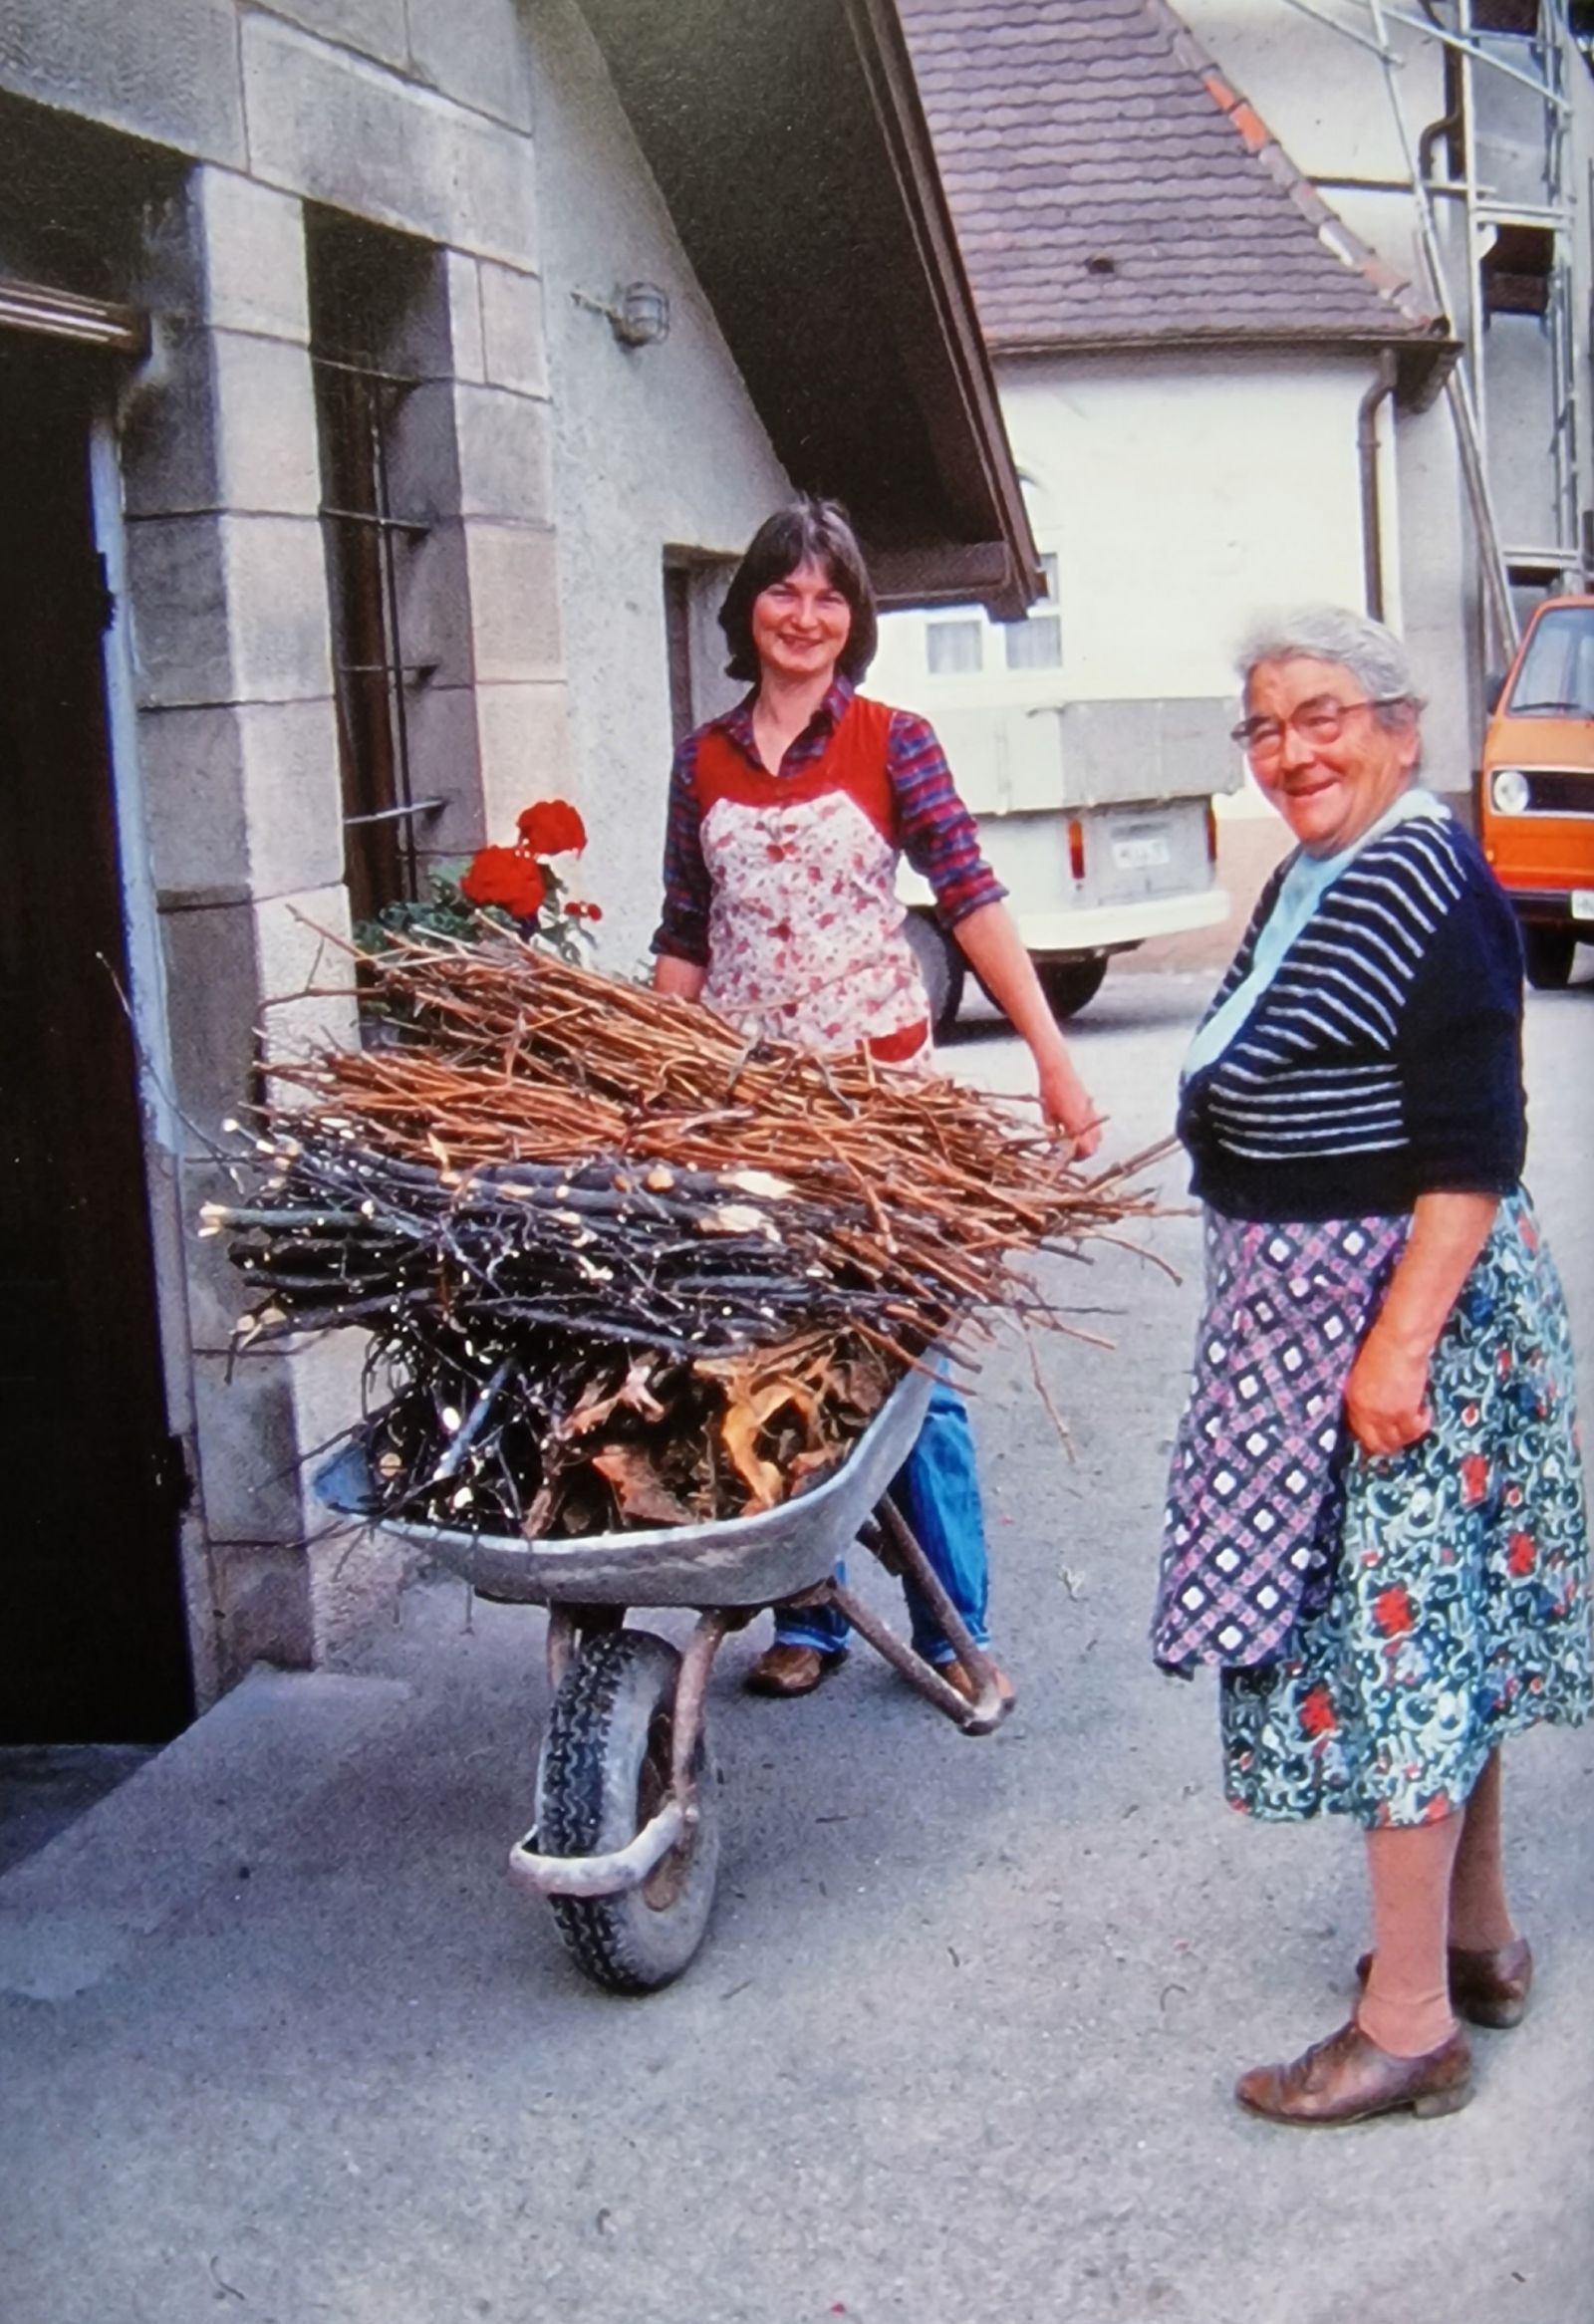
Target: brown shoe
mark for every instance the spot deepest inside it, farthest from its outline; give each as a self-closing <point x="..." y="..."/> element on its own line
<point x="958" y="1680"/>
<point x="1491" y="1987"/>
<point x="1348" y="2078"/>
<point x="1486" y="1988"/>
<point x="792" y="1669"/>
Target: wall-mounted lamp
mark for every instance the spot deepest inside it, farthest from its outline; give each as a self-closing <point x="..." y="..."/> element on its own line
<point x="640" y="317"/>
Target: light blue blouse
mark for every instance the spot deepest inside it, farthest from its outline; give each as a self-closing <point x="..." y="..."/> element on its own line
<point x="1304" y="885"/>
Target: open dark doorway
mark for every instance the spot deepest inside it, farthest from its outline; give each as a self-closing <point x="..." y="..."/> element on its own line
<point x="92" y="1630"/>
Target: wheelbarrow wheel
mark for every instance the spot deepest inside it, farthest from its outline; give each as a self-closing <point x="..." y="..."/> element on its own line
<point x="602" y="1774"/>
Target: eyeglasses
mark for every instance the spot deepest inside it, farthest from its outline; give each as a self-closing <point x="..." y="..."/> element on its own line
<point x="1322" y="719"/>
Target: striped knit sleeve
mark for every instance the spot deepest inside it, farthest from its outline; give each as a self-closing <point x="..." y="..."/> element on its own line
<point x="935" y="829"/>
<point x="1460" y="1052"/>
<point x="682" y="931"/>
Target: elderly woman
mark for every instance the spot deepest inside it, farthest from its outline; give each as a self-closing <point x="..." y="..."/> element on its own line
<point x="786" y="820"/>
<point x="1376" y="1523"/>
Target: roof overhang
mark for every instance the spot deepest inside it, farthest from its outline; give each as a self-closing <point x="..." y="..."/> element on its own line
<point x="46" y="313"/>
<point x="1424" y="360"/>
<point x="789" y="145"/>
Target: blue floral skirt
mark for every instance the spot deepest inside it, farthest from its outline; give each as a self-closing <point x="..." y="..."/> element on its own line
<point x="1458" y="1610"/>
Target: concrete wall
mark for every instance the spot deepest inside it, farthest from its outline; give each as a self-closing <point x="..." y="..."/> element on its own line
<point x="556" y="469"/>
<point x="1328" y="101"/>
<point x="655" y="448"/>
<point x="1184" y="496"/>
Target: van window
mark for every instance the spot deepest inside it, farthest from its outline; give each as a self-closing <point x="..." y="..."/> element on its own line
<point x="1557" y="673"/>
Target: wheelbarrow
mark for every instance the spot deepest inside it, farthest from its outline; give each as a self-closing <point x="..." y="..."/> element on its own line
<point x="625" y="1845"/>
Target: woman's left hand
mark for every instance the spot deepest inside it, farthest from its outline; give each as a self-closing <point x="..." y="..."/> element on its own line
<point x="1386" y="1395"/>
<point x="1067" y="1105"/>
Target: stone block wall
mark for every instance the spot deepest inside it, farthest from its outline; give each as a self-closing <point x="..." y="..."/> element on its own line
<point x="537" y="443"/>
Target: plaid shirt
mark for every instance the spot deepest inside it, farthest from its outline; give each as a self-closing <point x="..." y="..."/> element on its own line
<point x="935" y="830"/>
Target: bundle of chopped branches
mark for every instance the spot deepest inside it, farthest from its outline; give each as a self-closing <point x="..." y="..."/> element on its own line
<point x="554" y="1173"/>
<point x="546" y="1435"/>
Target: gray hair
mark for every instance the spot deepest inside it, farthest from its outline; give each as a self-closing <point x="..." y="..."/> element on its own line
<point x="1374" y="655"/>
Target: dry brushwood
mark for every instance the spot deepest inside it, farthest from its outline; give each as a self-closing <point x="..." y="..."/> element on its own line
<point x="552" y="1191"/>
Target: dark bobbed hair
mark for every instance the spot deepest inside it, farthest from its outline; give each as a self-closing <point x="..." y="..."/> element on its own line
<point x="805" y="529"/>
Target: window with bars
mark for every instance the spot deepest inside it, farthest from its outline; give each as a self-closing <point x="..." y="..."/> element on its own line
<point x="374" y="308"/>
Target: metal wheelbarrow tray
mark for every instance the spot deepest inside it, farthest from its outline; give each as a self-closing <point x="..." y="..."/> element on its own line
<point x="626" y="1842"/>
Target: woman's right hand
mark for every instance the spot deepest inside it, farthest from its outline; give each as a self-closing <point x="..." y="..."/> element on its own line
<point x="684" y="978"/>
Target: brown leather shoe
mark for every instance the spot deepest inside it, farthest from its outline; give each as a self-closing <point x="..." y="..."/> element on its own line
<point x="792" y="1669"/>
<point x="1486" y="1988"/>
<point x="958" y="1680"/>
<point x="1491" y="1987"/>
<point x="1348" y="2078"/>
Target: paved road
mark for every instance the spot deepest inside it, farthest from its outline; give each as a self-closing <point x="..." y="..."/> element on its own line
<point x="283" y="2044"/>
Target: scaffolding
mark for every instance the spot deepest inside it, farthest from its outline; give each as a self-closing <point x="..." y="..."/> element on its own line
<point x="1493" y="180"/>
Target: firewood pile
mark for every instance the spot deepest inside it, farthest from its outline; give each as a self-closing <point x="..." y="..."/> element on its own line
<point x="617" y="1267"/>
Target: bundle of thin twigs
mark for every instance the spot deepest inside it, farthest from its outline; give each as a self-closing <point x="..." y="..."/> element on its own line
<point x="543" y="1158"/>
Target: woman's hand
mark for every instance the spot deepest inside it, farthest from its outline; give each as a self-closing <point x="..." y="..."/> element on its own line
<point x="1386" y="1395"/>
<point x="1066" y="1103"/>
<point x="684" y="978"/>
<point x="995" y="951"/>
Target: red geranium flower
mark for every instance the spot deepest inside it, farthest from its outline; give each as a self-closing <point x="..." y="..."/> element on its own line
<point x="1475" y="1478"/>
<point x="1519" y="1553"/>
<point x="1317" y="1712"/>
<point x="1393" y="1612"/>
<point x="551" y="828"/>
<point x="580" y="911"/>
<point x="508" y="877"/>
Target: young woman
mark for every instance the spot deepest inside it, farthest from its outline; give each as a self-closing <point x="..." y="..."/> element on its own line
<point x="787" y="817"/>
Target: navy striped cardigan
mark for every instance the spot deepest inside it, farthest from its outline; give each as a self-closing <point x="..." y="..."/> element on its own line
<point x="1384" y="1061"/>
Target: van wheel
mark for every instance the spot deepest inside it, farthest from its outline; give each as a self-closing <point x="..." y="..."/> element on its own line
<point x="1070" y="984"/>
<point x="941" y="965"/>
<point x="1548" y="954"/>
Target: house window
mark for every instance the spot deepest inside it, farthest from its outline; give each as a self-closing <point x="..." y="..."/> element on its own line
<point x="1511" y="16"/>
<point x="677" y="647"/>
<point x="370" y="293"/>
<point x="953" y="648"/>
<point x="1036" y="642"/>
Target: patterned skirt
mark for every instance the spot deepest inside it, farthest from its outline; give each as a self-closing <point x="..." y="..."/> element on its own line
<point x="1457" y="1612"/>
<point x="1250" y="1537"/>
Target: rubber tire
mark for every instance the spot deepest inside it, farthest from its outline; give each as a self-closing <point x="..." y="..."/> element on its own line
<point x="1549" y="953"/>
<point x="942" y="967"/>
<point x="600" y="1772"/>
<point x="1070" y="985"/>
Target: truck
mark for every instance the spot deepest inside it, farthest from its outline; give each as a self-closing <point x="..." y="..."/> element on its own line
<point x="1098" y="818"/>
<point x="1535" y="787"/>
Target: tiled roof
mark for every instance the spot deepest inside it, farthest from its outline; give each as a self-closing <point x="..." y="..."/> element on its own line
<point x="1110" y="184"/>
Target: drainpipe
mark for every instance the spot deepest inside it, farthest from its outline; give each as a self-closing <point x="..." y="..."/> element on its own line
<point x="1381" y="390"/>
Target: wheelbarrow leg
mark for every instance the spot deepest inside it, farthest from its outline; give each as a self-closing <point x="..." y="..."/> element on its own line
<point x="897" y="1545"/>
<point x="904" y="1659"/>
<point x="691" y="1688"/>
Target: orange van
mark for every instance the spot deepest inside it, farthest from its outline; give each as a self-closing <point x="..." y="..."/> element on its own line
<point x="1535" y="789"/>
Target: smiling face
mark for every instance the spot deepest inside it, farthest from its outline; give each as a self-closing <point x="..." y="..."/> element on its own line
<point x="1333" y="783"/>
<point x="800" y="624"/>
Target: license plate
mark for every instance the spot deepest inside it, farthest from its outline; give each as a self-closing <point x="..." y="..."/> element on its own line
<point x="1139" y="855"/>
<point x="1583" y="904"/>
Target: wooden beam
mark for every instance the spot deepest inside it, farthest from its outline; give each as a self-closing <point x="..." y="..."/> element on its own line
<point x="61" y="315"/>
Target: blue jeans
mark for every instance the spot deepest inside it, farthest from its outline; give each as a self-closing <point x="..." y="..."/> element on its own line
<point x="937" y="1491"/>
